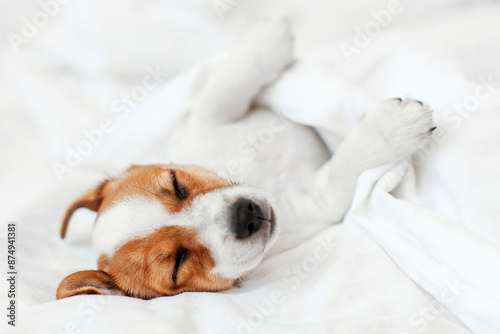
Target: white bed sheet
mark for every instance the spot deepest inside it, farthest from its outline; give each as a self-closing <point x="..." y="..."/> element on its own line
<point x="417" y="253"/>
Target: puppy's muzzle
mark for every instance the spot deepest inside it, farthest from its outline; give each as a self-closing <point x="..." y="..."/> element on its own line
<point x="246" y="218"/>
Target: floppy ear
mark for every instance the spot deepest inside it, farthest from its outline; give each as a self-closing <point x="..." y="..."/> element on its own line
<point x="92" y="200"/>
<point x="89" y="282"/>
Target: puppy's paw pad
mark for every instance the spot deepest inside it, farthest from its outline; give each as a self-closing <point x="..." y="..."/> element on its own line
<point x="405" y="124"/>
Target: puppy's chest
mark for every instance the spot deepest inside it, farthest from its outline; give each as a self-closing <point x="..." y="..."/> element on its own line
<point x="263" y="149"/>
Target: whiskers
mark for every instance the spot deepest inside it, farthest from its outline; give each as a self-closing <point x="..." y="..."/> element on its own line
<point x="229" y="180"/>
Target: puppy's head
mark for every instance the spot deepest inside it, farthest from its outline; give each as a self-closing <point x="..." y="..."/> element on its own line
<point x="165" y="229"/>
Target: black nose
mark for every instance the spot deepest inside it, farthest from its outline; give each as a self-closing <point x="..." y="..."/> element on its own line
<point x="246" y="218"/>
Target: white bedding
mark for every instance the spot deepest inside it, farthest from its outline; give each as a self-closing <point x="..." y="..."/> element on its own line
<point x="419" y="251"/>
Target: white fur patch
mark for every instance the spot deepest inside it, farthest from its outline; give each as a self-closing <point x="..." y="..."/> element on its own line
<point x="130" y="218"/>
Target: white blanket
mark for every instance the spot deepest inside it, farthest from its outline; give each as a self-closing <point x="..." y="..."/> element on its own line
<point x="418" y="252"/>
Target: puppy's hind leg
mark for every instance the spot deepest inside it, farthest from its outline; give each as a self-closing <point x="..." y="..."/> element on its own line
<point x="391" y="133"/>
<point x="257" y="60"/>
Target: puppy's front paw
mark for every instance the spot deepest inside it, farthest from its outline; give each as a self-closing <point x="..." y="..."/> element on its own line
<point x="268" y="46"/>
<point x="405" y="125"/>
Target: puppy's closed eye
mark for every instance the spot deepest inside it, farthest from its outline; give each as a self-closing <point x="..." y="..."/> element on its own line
<point x="182" y="255"/>
<point x="180" y="191"/>
<point x="180" y="258"/>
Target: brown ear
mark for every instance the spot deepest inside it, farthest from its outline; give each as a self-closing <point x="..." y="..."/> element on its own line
<point x="92" y="200"/>
<point x="89" y="282"/>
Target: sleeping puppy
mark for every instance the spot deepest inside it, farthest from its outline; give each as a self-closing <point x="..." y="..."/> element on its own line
<point x="165" y="229"/>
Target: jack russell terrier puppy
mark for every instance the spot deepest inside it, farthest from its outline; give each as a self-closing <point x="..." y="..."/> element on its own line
<point x="165" y="229"/>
